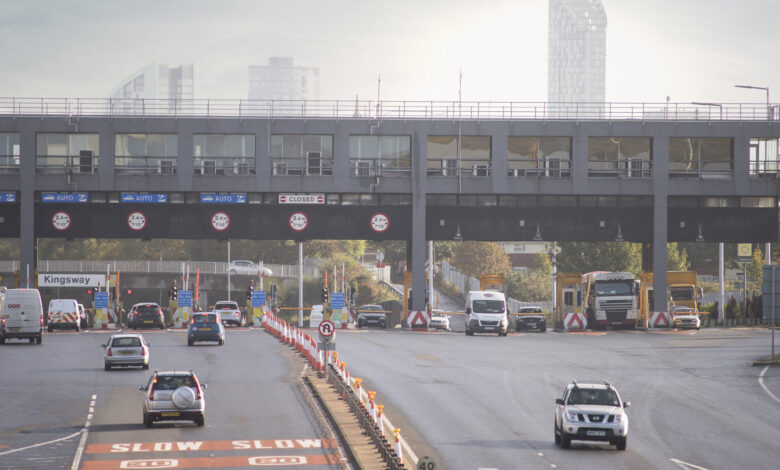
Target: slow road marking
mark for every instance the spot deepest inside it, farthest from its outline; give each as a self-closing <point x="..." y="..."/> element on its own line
<point x="183" y="446"/>
<point x="214" y="462"/>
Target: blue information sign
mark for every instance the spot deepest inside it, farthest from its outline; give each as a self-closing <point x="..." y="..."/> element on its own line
<point x="213" y="198"/>
<point x="64" y="197"/>
<point x="154" y="198"/>
<point x="258" y="298"/>
<point x="185" y="298"/>
<point x="7" y="197"/>
<point x="337" y="300"/>
<point x="101" y="299"/>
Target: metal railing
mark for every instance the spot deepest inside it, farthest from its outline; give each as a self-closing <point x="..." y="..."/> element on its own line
<point x="149" y="266"/>
<point x="351" y="109"/>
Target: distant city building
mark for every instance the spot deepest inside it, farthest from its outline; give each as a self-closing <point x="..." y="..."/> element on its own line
<point x="281" y="80"/>
<point x="577" y="50"/>
<point x="172" y="86"/>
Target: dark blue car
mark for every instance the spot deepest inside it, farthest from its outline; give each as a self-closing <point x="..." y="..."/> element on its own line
<point x="205" y="327"/>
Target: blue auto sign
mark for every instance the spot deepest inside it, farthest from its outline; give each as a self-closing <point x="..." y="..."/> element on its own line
<point x="8" y="197"/>
<point x="65" y="197"/>
<point x="101" y="299"/>
<point x="145" y="198"/>
<point x="258" y="298"/>
<point x="337" y="300"/>
<point x="184" y="298"/>
<point x="213" y="198"/>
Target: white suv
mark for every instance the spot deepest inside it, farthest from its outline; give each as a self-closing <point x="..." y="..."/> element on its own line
<point x="174" y="396"/>
<point x="591" y="412"/>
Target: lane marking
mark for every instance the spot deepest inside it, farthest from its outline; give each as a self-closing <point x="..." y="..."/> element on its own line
<point x="215" y="462"/>
<point x="85" y="432"/>
<point x="41" y="444"/>
<point x="761" y="382"/>
<point x="182" y="446"/>
<point x="687" y="466"/>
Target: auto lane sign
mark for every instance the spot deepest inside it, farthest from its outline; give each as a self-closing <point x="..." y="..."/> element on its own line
<point x="136" y="221"/>
<point x="213" y="198"/>
<point x="220" y="221"/>
<point x="65" y="197"/>
<point x="292" y="198"/>
<point x="298" y="221"/>
<point x="61" y="221"/>
<point x="144" y="198"/>
<point x="8" y="197"/>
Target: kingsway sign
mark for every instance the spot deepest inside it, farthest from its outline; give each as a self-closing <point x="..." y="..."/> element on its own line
<point x="71" y="280"/>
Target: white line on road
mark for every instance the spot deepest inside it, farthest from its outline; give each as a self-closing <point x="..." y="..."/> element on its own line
<point x="80" y="450"/>
<point x="761" y="382"/>
<point x="41" y="444"/>
<point x="687" y="466"/>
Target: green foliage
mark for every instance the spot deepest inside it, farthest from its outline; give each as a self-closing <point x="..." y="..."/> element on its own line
<point x="755" y="267"/>
<point x="476" y="258"/>
<point x="731" y="309"/>
<point x="676" y="258"/>
<point x="533" y="284"/>
<point x="582" y="257"/>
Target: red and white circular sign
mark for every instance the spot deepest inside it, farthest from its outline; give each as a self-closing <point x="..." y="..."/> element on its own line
<point x="327" y="328"/>
<point x="380" y="222"/>
<point x="320" y="199"/>
<point x="61" y="221"/>
<point x="136" y="221"/>
<point x="220" y="221"/>
<point x="299" y="221"/>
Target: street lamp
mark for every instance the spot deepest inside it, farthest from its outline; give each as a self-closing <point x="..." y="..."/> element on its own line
<point x="766" y="89"/>
<point x="699" y="103"/>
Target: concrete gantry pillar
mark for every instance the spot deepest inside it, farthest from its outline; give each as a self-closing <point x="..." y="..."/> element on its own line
<point x="660" y="220"/>
<point x="419" y="151"/>
<point x="27" y="240"/>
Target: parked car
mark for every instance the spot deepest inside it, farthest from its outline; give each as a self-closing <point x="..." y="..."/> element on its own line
<point x="239" y="266"/>
<point x="146" y="315"/>
<point x="205" y="327"/>
<point x="229" y="313"/>
<point x="440" y="320"/>
<point x="126" y="349"/>
<point x="21" y="315"/>
<point x="63" y="313"/>
<point x="371" y="315"/>
<point x="591" y="412"/>
<point x="174" y="396"/>
<point x="530" y="318"/>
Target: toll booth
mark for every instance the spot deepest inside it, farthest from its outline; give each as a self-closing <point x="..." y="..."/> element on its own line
<point x="568" y="298"/>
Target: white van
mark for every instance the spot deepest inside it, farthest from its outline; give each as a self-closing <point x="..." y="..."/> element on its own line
<point x="63" y="313"/>
<point x="486" y="312"/>
<point x="21" y="315"/>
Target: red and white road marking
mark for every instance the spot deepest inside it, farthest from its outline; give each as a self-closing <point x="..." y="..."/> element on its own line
<point x="214" y="462"/>
<point x="182" y="446"/>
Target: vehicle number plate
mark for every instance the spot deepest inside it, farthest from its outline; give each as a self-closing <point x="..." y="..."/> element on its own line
<point x="14" y="329"/>
<point x="596" y="433"/>
<point x="148" y="321"/>
<point x="532" y="325"/>
<point x="488" y="327"/>
<point x="204" y="329"/>
<point x="127" y="353"/>
<point x="170" y="413"/>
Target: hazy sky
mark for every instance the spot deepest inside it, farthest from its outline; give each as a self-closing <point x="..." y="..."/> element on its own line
<point x="690" y="50"/>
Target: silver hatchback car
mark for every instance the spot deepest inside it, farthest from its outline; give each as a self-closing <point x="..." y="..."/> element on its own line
<point x="174" y="396"/>
<point x="127" y="349"/>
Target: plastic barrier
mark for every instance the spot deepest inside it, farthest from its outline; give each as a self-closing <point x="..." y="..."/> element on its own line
<point x="574" y="321"/>
<point x="660" y="320"/>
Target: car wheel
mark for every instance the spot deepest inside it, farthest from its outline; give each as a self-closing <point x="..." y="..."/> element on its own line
<point x="146" y="366"/>
<point x="232" y="272"/>
<point x="557" y="436"/>
<point x="565" y="441"/>
<point x="222" y="342"/>
<point x="49" y="329"/>
<point x="620" y="443"/>
<point x="2" y="339"/>
<point x="200" y="420"/>
<point x="190" y="342"/>
<point x="106" y="366"/>
<point x="147" y="420"/>
<point x="39" y="339"/>
<point x="77" y="328"/>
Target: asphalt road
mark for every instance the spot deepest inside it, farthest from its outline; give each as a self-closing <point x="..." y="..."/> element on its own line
<point x="487" y="402"/>
<point x="255" y="408"/>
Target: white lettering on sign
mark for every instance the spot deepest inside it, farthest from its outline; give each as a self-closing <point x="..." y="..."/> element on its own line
<point x="301" y="198"/>
<point x="299" y="221"/>
<point x="155" y="446"/>
<point x="157" y="463"/>
<point x="380" y="222"/>
<point x="278" y="444"/>
<point x="136" y="221"/>
<point x="61" y="221"/>
<point x="220" y="221"/>
<point x="278" y="460"/>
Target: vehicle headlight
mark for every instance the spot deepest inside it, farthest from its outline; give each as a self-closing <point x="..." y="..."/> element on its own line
<point x="620" y="419"/>
<point x="571" y="416"/>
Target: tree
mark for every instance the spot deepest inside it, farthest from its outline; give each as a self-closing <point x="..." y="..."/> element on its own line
<point x="676" y="258"/>
<point x="534" y="284"/>
<point x="755" y="267"/>
<point x="582" y="257"/>
<point x="475" y="258"/>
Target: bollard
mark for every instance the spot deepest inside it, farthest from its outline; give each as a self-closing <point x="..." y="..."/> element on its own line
<point x="379" y="421"/>
<point x="371" y="410"/>
<point x="397" y="435"/>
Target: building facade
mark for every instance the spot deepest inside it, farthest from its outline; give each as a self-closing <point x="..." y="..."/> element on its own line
<point x="156" y="88"/>
<point x="281" y="80"/>
<point x="577" y="41"/>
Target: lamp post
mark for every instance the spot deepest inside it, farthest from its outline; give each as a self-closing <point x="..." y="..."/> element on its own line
<point x="766" y="89"/>
<point x="699" y="103"/>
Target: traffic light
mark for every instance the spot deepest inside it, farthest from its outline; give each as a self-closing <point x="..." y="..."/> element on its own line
<point x="249" y="291"/>
<point x="324" y="295"/>
<point x="90" y="291"/>
<point x="174" y="292"/>
<point x="129" y="291"/>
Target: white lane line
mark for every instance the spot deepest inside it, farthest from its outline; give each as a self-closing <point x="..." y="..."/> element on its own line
<point x="761" y="382"/>
<point x="41" y="444"/>
<point x="687" y="466"/>
<point x="85" y="432"/>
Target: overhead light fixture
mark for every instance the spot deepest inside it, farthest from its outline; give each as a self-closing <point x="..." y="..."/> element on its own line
<point x="538" y="236"/>
<point x="441" y="222"/>
<point x="682" y="224"/>
<point x="522" y="223"/>
<point x="699" y="236"/>
<point x="602" y="224"/>
<point x="458" y="236"/>
<point x="619" y="237"/>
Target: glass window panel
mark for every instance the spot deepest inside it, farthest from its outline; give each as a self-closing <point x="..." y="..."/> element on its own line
<point x="200" y="145"/>
<point x="588" y="201"/>
<point x="350" y="199"/>
<point x="369" y="199"/>
<point x="683" y="201"/>
<point x="507" y="201"/>
<point x="388" y="199"/>
<point x="333" y="199"/>
<point x="312" y="143"/>
<point x="52" y="145"/>
<point x="354" y="146"/>
<point x="526" y="201"/>
<point x="136" y="145"/>
<point x="442" y="146"/>
<point x="369" y="147"/>
<point x="556" y="147"/>
<point x="276" y="145"/>
<point x="475" y="147"/>
<point x="488" y="201"/>
<point x="748" y="201"/>
<point x="404" y="199"/>
<point x="683" y="149"/>
<point x="292" y="146"/>
<point x="326" y="144"/>
<point x="522" y="148"/>
<point x="215" y="145"/>
<point x="569" y="201"/>
<point x="635" y="147"/>
<point x="171" y="145"/>
<point x="602" y="149"/>
<point x="768" y="202"/>
<point x="468" y="200"/>
<point x="548" y="201"/>
<point x="8" y="143"/>
<point x="608" y="201"/>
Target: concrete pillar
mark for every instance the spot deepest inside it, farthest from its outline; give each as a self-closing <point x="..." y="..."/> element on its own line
<point x="660" y="220"/>
<point x="27" y="206"/>
<point x="419" y="150"/>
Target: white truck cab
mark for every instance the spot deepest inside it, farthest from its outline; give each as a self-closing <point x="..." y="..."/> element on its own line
<point x="486" y="312"/>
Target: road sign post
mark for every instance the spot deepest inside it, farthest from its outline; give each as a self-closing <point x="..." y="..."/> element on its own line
<point x="327" y="331"/>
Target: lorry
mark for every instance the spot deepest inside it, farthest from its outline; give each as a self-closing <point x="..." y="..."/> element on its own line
<point x="683" y="293"/>
<point x="496" y="282"/>
<point x="610" y="299"/>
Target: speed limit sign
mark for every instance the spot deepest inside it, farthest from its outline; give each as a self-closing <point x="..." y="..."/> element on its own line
<point x="327" y="329"/>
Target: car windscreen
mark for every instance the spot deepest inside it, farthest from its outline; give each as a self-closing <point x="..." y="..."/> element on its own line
<point x="581" y="396"/>
<point x="226" y="306"/>
<point x="204" y="318"/>
<point x="172" y="382"/>
<point x="530" y="310"/>
<point x="682" y="293"/>
<point x="126" y="343"/>
<point x="488" y="306"/>
<point x="147" y="309"/>
<point x="614" y="287"/>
